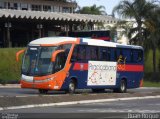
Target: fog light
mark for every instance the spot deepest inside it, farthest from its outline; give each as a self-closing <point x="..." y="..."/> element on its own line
<point x="49" y="85"/>
<point x="56" y="87"/>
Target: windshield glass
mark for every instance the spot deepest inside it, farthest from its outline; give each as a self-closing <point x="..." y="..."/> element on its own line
<point x="37" y="60"/>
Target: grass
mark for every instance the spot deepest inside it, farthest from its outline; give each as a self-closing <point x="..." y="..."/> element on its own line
<point x="149" y="61"/>
<point x="151" y="84"/>
<point x="9" y="68"/>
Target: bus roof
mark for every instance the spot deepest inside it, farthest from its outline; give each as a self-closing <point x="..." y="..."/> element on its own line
<point x="50" y="41"/>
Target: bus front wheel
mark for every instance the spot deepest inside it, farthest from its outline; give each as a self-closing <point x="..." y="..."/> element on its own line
<point x="72" y="87"/>
<point x="122" y="88"/>
<point x="43" y="91"/>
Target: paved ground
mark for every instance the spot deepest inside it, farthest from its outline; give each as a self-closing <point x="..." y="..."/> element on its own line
<point x="34" y="92"/>
<point x="116" y="109"/>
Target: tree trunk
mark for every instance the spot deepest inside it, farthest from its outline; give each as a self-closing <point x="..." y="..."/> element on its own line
<point x="154" y="59"/>
<point x="140" y="34"/>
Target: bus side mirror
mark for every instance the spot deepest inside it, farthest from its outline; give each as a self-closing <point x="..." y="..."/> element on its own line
<point x="54" y="54"/>
<point x="18" y="53"/>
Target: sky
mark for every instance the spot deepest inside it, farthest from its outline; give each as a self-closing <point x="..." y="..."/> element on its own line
<point x="109" y="4"/>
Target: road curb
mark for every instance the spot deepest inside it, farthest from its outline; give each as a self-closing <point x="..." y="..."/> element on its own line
<point x="77" y="102"/>
<point x="10" y="86"/>
<point x="149" y="87"/>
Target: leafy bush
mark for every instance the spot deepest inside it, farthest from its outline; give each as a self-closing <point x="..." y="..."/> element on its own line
<point x="9" y="68"/>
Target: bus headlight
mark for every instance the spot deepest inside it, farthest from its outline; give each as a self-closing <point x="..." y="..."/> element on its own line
<point x="49" y="79"/>
<point x="45" y="80"/>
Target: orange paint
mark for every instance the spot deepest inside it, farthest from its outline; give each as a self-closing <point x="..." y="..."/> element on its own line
<point x="58" y="77"/>
<point x="55" y="54"/>
<point x="18" y="53"/>
<point x="141" y="83"/>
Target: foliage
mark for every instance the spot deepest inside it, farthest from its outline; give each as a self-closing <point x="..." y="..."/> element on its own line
<point x="151" y="84"/>
<point x="9" y="68"/>
<point x="146" y="15"/>
<point x="136" y="10"/>
<point x="97" y="10"/>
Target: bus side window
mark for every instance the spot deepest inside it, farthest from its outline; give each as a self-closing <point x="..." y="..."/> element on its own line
<point x="81" y="53"/>
<point x="103" y="54"/>
<point x="74" y="55"/>
<point x="140" y="55"/>
<point x="137" y="56"/>
<point x="93" y="53"/>
<point x="60" y="62"/>
<point x="119" y="54"/>
<point x="108" y="54"/>
<point x="127" y="55"/>
<point x="113" y="54"/>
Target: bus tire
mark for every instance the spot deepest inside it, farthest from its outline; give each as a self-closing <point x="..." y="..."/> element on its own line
<point x="122" y="88"/>
<point x="72" y="87"/>
<point x="43" y="91"/>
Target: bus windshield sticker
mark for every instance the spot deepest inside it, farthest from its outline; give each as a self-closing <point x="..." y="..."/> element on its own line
<point x="101" y="73"/>
<point x="33" y="48"/>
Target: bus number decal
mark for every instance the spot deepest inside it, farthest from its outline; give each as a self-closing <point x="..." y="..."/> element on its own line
<point x="101" y="73"/>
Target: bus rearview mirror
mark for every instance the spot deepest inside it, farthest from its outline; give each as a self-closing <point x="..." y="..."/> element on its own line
<point x="54" y="54"/>
<point x="18" y="54"/>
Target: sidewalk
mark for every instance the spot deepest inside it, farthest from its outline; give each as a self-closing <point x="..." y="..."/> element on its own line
<point x="10" y="86"/>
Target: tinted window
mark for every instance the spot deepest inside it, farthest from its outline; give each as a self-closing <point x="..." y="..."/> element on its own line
<point x="93" y="53"/>
<point x="137" y="55"/>
<point x="105" y="54"/>
<point x="79" y="52"/>
<point x="113" y="54"/>
<point x="127" y="55"/>
<point x="60" y="62"/>
<point x="74" y="55"/>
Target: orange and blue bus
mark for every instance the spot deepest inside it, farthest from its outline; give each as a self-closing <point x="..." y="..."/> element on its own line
<point x="65" y="63"/>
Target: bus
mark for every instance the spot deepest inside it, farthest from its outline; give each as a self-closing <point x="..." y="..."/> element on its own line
<point x="94" y="34"/>
<point x="66" y="63"/>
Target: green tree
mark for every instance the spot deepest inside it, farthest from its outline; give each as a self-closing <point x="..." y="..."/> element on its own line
<point x="97" y="10"/>
<point x="152" y="24"/>
<point x="146" y="16"/>
<point x="137" y="10"/>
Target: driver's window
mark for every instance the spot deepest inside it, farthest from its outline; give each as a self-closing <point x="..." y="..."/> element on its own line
<point x="61" y="58"/>
<point x="60" y="61"/>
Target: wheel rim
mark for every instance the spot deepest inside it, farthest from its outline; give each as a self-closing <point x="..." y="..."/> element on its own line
<point x="122" y="86"/>
<point x="71" y="86"/>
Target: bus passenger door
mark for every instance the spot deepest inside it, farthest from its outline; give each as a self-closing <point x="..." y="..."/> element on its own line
<point x="58" y="66"/>
<point x="80" y="65"/>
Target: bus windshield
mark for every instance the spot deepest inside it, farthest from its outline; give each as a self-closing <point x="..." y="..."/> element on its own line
<point x="37" y="61"/>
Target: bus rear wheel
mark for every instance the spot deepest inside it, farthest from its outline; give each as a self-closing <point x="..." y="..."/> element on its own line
<point x="72" y="87"/>
<point x="43" y="91"/>
<point x="122" y="88"/>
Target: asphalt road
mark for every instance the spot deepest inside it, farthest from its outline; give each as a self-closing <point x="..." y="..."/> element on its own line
<point x="116" y="109"/>
<point x="34" y="92"/>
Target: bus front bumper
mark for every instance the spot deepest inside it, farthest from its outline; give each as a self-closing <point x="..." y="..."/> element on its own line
<point x="50" y="85"/>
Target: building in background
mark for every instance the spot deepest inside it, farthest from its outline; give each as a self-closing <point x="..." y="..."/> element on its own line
<point x="24" y="20"/>
<point x="65" y="6"/>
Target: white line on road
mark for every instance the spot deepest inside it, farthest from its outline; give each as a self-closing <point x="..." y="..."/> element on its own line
<point x="78" y="102"/>
<point x="118" y="111"/>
